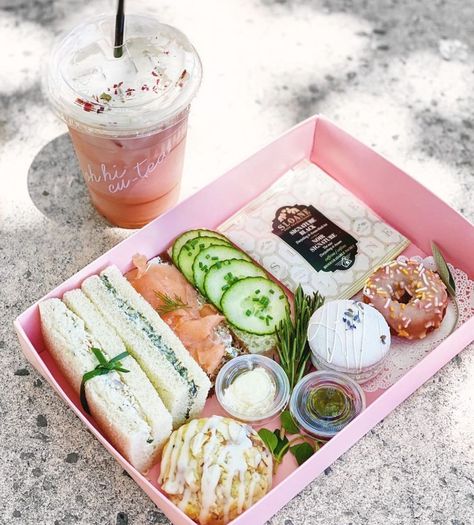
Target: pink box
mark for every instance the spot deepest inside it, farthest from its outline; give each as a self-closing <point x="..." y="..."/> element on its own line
<point x="395" y="196"/>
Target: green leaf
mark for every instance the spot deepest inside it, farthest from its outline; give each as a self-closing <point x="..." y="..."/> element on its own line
<point x="443" y="270"/>
<point x="281" y="442"/>
<point x="269" y="438"/>
<point x="120" y="369"/>
<point x="116" y="360"/>
<point x="288" y="423"/>
<point x="99" y="355"/>
<point x="302" y="452"/>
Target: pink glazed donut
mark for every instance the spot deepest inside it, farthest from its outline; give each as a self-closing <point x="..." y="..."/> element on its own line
<point x="411" y="298"/>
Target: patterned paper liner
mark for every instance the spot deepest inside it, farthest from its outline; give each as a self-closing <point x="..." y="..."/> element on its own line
<point x="404" y="354"/>
<point x="307" y="186"/>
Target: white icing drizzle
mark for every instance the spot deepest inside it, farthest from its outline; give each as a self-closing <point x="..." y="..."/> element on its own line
<point x="365" y="345"/>
<point x="327" y="329"/>
<point x="359" y="365"/>
<point x="356" y="350"/>
<point x="334" y="339"/>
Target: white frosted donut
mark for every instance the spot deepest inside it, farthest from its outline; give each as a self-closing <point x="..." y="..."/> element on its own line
<point x="348" y="336"/>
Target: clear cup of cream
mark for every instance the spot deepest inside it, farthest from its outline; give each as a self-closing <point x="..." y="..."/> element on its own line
<point x="252" y="388"/>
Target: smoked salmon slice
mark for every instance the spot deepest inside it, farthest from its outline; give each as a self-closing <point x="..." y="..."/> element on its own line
<point x="178" y="304"/>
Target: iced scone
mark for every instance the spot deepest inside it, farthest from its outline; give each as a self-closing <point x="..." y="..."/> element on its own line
<point x="214" y="469"/>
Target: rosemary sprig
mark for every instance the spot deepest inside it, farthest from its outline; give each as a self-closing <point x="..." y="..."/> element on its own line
<point x="292" y="343"/>
<point x="169" y="304"/>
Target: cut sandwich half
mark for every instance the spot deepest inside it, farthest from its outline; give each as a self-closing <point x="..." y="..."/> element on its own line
<point x="136" y="425"/>
<point x="153" y="409"/>
<point x="182" y="384"/>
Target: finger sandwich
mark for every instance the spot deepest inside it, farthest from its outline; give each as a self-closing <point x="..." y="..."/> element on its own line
<point x="182" y="384"/>
<point x="125" y="405"/>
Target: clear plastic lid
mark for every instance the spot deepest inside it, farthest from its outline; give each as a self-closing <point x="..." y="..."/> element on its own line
<point x="144" y="90"/>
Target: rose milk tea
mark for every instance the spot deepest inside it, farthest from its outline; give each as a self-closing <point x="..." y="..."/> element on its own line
<point x="127" y="116"/>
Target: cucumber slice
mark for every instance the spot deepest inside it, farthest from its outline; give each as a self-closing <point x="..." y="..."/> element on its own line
<point x="223" y="274"/>
<point x="191" y="249"/>
<point x="255" y="305"/>
<point x="187" y="236"/>
<point x="211" y="256"/>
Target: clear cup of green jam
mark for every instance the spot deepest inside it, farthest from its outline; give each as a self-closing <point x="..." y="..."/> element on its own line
<point x="324" y="402"/>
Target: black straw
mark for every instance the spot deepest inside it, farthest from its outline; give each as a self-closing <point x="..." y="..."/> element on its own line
<point x="119" y="29"/>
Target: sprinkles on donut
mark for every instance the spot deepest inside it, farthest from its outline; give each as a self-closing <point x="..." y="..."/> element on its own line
<point x="411" y="298"/>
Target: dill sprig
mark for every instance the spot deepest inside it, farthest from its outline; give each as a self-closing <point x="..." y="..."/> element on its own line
<point x="292" y="340"/>
<point x="169" y="304"/>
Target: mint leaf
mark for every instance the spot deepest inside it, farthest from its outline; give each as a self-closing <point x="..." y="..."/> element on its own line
<point x="281" y="444"/>
<point x="288" y="423"/>
<point x="269" y="438"/>
<point x="302" y="452"/>
<point x="443" y="270"/>
<point x="277" y="445"/>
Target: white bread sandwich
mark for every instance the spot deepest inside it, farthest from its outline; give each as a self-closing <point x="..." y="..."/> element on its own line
<point x="124" y="404"/>
<point x="111" y="345"/>
<point x="182" y="384"/>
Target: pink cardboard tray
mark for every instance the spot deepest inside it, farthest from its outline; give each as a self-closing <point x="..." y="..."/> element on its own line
<point x="394" y="195"/>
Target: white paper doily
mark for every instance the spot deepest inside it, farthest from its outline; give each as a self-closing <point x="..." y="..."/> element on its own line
<point x="404" y="354"/>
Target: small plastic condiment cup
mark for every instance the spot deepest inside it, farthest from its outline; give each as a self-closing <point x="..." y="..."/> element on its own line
<point x="245" y="363"/>
<point x="345" y="400"/>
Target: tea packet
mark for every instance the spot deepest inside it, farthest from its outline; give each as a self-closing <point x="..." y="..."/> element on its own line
<point x="308" y="229"/>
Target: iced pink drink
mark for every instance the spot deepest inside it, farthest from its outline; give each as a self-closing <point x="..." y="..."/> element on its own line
<point x="132" y="180"/>
<point x="127" y="117"/>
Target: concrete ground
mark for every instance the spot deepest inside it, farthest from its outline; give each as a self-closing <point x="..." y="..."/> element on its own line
<point x="397" y="73"/>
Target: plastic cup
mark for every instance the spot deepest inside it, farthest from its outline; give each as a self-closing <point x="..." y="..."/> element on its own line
<point x="127" y="116"/>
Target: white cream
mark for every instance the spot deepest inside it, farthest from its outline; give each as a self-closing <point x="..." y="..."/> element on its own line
<point x="154" y="80"/>
<point x="252" y="393"/>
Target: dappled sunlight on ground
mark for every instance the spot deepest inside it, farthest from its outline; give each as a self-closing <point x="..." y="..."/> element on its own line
<point x="23" y="47"/>
<point x="397" y="74"/>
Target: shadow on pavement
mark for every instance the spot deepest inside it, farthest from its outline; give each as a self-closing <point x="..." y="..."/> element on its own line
<point x="56" y="186"/>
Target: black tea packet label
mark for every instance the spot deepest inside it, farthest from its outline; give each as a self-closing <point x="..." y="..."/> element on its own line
<point x="325" y="245"/>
